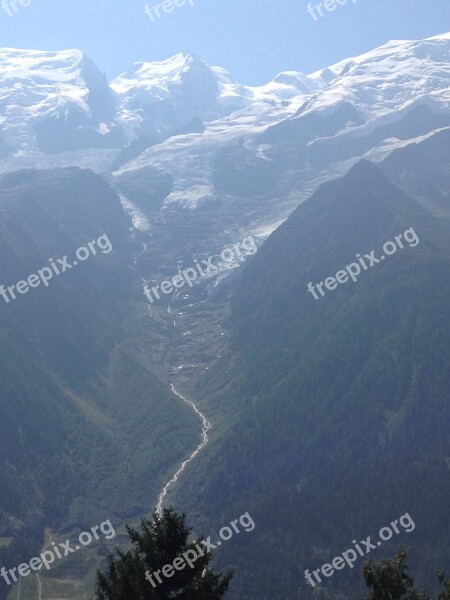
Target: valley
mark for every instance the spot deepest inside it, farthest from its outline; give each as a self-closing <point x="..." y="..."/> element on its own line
<point x="238" y="393"/>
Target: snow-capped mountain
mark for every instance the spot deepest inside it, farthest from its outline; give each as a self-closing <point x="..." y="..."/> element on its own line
<point x="55" y="101"/>
<point x="159" y="97"/>
<point x="385" y="83"/>
<point x="59" y="101"/>
<point x="362" y="106"/>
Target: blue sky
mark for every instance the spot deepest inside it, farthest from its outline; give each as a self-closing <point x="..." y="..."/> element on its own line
<point x="253" y="39"/>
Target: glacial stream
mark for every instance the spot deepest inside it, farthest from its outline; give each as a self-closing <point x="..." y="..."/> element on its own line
<point x="206" y="426"/>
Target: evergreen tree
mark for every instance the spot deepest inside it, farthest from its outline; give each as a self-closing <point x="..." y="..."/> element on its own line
<point x="445" y="594"/>
<point x="388" y="579"/>
<point x="163" y="539"/>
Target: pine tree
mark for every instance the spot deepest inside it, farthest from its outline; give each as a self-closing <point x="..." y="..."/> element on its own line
<point x="445" y="594"/>
<point x="388" y="579"/>
<point x="161" y="540"/>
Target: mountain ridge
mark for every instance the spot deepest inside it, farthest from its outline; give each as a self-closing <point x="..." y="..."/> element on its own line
<point x="62" y="94"/>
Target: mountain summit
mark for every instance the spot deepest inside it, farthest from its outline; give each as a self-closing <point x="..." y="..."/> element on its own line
<point x="58" y="101"/>
<point x="54" y="101"/>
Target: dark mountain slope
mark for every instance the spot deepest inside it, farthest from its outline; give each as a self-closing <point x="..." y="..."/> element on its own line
<point x="340" y="406"/>
<point x="87" y="432"/>
<point x="423" y="170"/>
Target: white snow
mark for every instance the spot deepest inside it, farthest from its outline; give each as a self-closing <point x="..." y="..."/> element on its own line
<point x="382" y="85"/>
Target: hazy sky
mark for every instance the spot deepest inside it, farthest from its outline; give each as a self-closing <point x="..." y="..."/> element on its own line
<point x="253" y="39"/>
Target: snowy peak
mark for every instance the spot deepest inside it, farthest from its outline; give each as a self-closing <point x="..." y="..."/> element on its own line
<point x="296" y="80"/>
<point x="393" y="77"/>
<point x="58" y="101"/>
<point x="159" y="74"/>
<point x="186" y="85"/>
<point x="65" y="73"/>
<point x="63" y="91"/>
<point x="157" y="98"/>
<point x="50" y="66"/>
